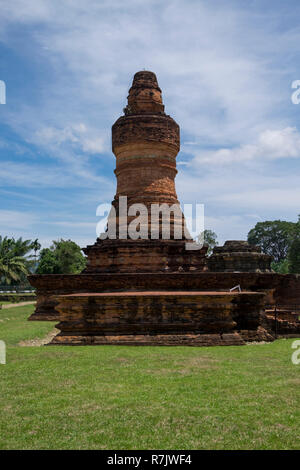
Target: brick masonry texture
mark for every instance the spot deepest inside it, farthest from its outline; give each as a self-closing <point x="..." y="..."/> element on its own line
<point x="155" y="292"/>
<point x="162" y="314"/>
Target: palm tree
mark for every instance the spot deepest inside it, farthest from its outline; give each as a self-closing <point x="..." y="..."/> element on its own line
<point x="13" y="265"/>
<point x="22" y="247"/>
<point x="35" y="246"/>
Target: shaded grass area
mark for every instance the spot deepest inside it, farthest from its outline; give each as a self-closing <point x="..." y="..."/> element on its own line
<point x="110" y="397"/>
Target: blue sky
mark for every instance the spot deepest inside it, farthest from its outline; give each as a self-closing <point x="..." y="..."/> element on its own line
<point x="225" y="69"/>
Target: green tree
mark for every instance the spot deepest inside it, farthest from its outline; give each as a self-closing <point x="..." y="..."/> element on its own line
<point x="274" y="237"/>
<point x="48" y="262"/>
<point x="35" y="246"/>
<point x="294" y="256"/>
<point x="210" y="239"/>
<point x="282" y="267"/>
<point x="63" y="257"/>
<point x="14" y="267"/>
<point x="21" y="247"/>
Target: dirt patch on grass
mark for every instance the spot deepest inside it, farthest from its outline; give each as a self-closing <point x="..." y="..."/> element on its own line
<point x="295" y="381"/>
<point x="198" y="361"/>
<point x="40" y="341"/>
<point x="255" y="343"/>
<point x="19" y="304"/>
<point x="188" y="366"/>
<point x="121" y="360"/>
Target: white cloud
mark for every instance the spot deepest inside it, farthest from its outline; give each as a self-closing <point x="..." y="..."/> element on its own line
<point x="225" y="71"/>
<point x="77" y="135"/>
<point x="225" y="225"/>
<point x="236" y="197"/>
<point x="280" y="200"/>
<point x="33" y="175"/>
<point x="215" y="78"/>
<point x="11" y="220"/>
<point x="280" y="143"/>
<point x="270" y="145"/>
<point x="219" y="66"/>
<point x="78" y="225"/>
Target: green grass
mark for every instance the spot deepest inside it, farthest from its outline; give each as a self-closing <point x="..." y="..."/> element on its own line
<point x="110" y="397"/>
<point x="14" y="326"/>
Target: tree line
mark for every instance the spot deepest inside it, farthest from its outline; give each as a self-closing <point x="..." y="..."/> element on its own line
<point x="281" y="240"/>
<point x="18" y="257"/>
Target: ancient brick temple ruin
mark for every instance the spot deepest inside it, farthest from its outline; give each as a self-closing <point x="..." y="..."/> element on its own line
<point x="153" y="290"/>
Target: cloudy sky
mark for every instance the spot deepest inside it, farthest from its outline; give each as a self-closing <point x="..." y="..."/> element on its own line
<point x="225" y="68"/>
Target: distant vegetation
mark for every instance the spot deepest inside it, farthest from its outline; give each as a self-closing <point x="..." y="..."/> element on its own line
<point x="280" y="239"/>
<point x="63" y="257"/>
<point x="210" y="240"/>
<point x="15" y="260"/>
<point x="18" y="258"/>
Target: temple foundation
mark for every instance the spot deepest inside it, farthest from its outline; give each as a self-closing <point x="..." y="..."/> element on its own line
<point x="152" y="290"/>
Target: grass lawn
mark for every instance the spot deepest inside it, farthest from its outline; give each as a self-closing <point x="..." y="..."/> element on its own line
<point x="110" y="397"/>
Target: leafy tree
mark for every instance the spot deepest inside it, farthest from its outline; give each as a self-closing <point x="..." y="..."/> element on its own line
<point x="70" y="257"/>
<point x="63" y="257"/>
<point x="210" y="239"/>
<point x="294" y="256"/>
<point x="48" y="262"/>
<point x="282" y="267"/>
<point x="14" y="267"/>
<point x="274" y="237"/>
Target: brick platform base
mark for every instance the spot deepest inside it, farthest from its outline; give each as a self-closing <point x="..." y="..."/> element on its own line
<point x="161" y="318"/>
<point x="233" y="339"/>
<point x="152" y="291"/>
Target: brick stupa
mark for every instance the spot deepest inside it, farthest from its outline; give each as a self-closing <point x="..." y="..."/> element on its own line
<point x="155" y="291"/>
<point x="145" y="142"/>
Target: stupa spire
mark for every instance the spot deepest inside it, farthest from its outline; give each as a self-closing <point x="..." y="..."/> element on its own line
<point x="144" y="95"/>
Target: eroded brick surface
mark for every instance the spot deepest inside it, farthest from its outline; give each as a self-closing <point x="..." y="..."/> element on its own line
<point x="155" y="292"/>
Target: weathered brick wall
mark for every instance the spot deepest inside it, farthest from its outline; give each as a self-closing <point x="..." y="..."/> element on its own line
<point x="280" y="288"/>
<point x="141" y="256"/>
<point x="237" y="255"/>
<point x="185" y="316"/>
<point x="148" y="128"/>
<point x="145" y="142"/>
